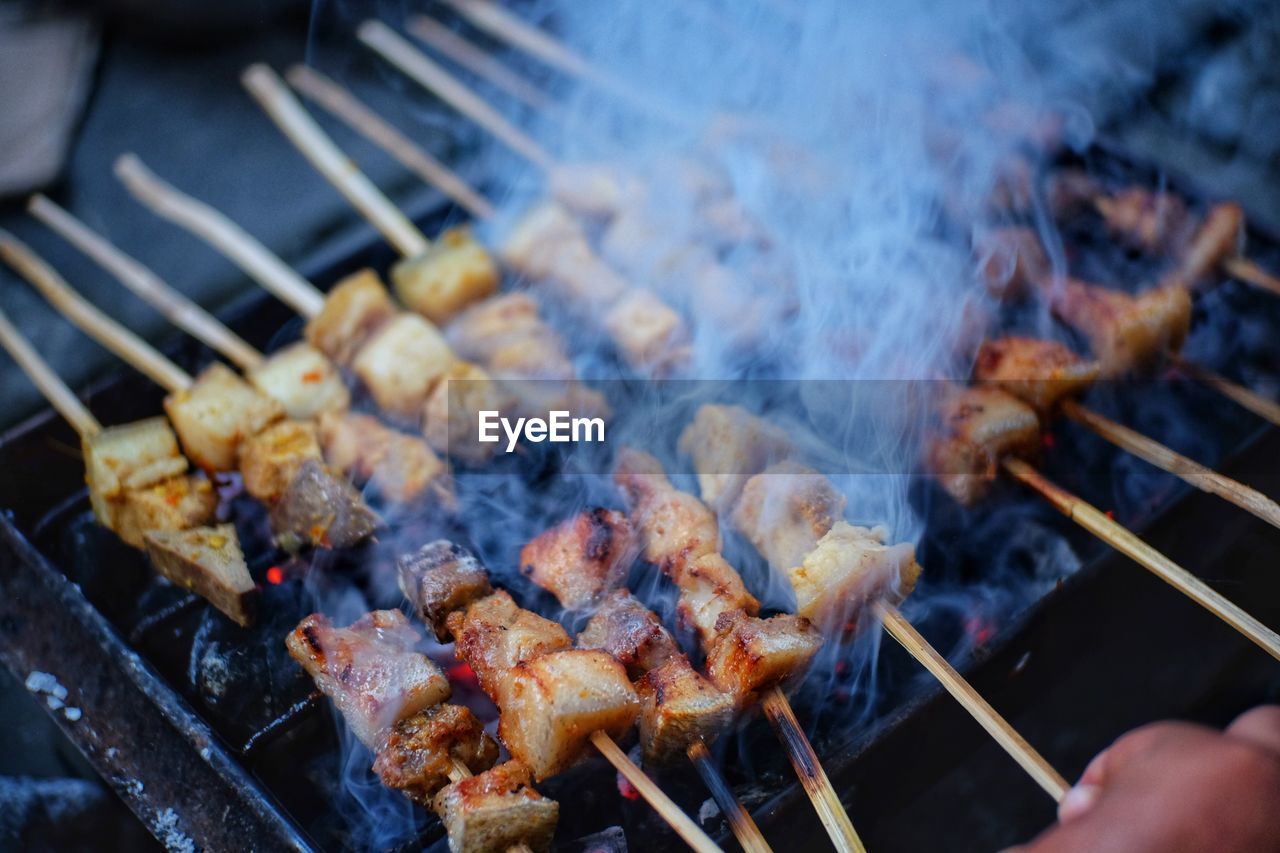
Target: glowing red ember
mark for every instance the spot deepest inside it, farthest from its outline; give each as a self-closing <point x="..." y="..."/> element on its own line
<point x="275" y="575"/>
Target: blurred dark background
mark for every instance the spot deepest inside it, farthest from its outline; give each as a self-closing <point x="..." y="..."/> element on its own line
<point x="82" y="83"/>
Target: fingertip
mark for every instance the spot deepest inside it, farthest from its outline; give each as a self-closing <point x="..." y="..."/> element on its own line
<point x="1077" y="801"/>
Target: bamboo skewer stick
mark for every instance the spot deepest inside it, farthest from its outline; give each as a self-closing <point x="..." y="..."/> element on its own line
<point x="448" y="43"/>
<point x="1248" y="271"/>
<point x="392" y="47"/>
<point x="1126" y="542"/>
<point x="176" y="308"/>
<point x="960" y="689"/>
<point x="1167" y="459"/>
<point x="653" y="795"/>
<point x="812" y="777"/>
<point x="294" y="121"/>
<point x="89" y="319"/>
<point x="46" y="381"/>
<point x="1244" y="397"/>
<point x="744" y="828"/>
<point x="198" y="218"/>
<point x="344" y="105"/>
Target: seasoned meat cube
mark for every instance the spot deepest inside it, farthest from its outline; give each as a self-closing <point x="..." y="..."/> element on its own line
<point x="400" y="467"/>
<point x="850" y="568"/>
<point x="1220" y="236"/>
<point x="130" y="456"/>
<point x="418" y="756"/>
<point x="677" y="707"/>
<point x="1152" y="221"/>
<point x="208" y="561"/>
<point x="319" y="510"/>
<point x="629" y="632"/>
<point x="595" y="189"/>
<point x="548" y="246"/>
<point x="753" y="654"/>
<point x="271" y="459"/>
<point x="507" y="334"/>
<point x="1125" y="332"/>
<point x="727" y="445"/>
<point x="1036" y="371"/>
<point x="369" y="669"/>
<point x="455" y="272"/>
<point x="1011" y="261"/>
<point x="402" y="362"/>
<point x="551" y="704"/>
<point x="216" y="413"/>
<point x="582" y="557"/>
<point x="785" y="510"/>
<point x="439" y="578"/>
<point x="302" y="380"/>
<point x="976" y="427"/>
<point x="451" y="413"/>
<point x="649" y="333"/>
<point x="173" y="504"/>
<point x="493" y="634"/>
<point x="496" y="811"/>
<point x="353" y="310"/>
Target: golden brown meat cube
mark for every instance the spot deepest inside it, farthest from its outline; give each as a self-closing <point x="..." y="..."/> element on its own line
<point x="303" y="380"/>
<point x="353" y="310"/>
<point x="550" y="705"/>
<point x="582" y="557"/>
<point x="399" y="466"/>
<point x="271" y="459"/>
<point x="439" y="578"/>
<point x="630" y="633"/>
<point x="418" y="756"/>
<point x="1011" y="261"/>
<point x="727" y="445"/>
<point x="595" y="189"/>
<point x="784" y="510"/>
<point x="451" y="413"/>
<point x="173" y="504"/>
<point x="497" y="810"/>
<point x="129" y="456"/>
<point x="455" y="272"/>
<point x="677" y="707"/>
<point x="1126" y="333"/>
<point x="1152" y="221"/>
<point x="209" y="562"/>
<point x="493" y="634"/>
<point x="507" y="334"/>
<point x="1220" y="236"/>
<point x="1036" y="371"/>
<point x="370" y="669"/>
<point x="216" y="413"/>
<point x="649" y="333"/>
<point x="850" y="569"/>
<point x="402" y="362"/>
<point x="976" y="428"/>
<point x="751" y="654"/>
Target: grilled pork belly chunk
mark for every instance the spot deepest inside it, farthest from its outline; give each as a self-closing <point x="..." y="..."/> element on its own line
<point x="629" y="632"/>
<point x="270" y="460"/>
<point x="497" y="810"/>
<point x="552" y="703"/>
<point x="217" y="413"/>
<point x="320" y="510"/>
<point x="440" y="578"/>
<point x="369" y="669"/>
<point x="547" y="245"/>
<point x="727" y="444"/>
<point x="1219" y="237"/>
<point x="1126" y="333"/>
<point x="506" y="333"/>
<point x="129" y="457"/>
<point x="177" y="503"/>
<point x="353" y="310"/>
<point x="302" y="380"/>
<point x="399" y="466"/>
<point x="208" y="561"/>
<point x="402" y="362"/>
<point x="418" y="756"/>
<point x="582" y="557"/>
<point x="455" y="272"/>
<point x="849" y="569"/>
<point x="678" y="705"/>
<point x="976" y="427"/>
<point x="1011" y="261"/>
<point x="493" y="634"/>
<point x="452" y="409"/>
<point x="649" y="333"/>
<point x="784" y="510"/>
<point x="1036" y="371"/>
<point x="1156" y="222"/>
<point x="751" y="655"/>
<point x="600" y="190"/>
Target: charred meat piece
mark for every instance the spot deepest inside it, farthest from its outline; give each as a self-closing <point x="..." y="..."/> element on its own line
<point x="581" y="558"/>
<point x="318" y="509"/>
<point x="369" y="669"/>
<point x="630" y="632"/>
<point x="493" y="634"/>
<point x="752" y="654"/>
<point x="850" y="568"/>
<point x="1156" y="222"/>
<point x="785" y="510"/>
<point x="497" y="810"/>
<point x="1036" y="371"/>
<point x="976" y="427"/>
<point x="439" y="578"/>
<point x="208" y="561"/>
<point x="728" y="444"/>
<point x="1126" y="332"/>
<point x="418" y="756"/>
<point x="678" y="705"/>
<point x="353" y="310"/>
<point x="1220" y="236"/>
<point x="401" y="467"/>
<point x="1011" y="260"/>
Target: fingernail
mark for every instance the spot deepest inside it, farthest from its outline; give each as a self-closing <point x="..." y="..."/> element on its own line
<point x="1077" y="801"/>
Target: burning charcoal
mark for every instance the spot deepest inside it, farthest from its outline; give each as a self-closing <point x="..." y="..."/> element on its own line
<point x="208" y="561"/>
<point x="582" y="557"/>
<point x="438" y="579"/>
<point x="318" y="509"/>
<point x="420" y="751"/>
<point x="497" y="810"/>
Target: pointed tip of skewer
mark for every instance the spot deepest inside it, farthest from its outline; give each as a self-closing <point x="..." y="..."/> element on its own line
<point x="259" y="76"/>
